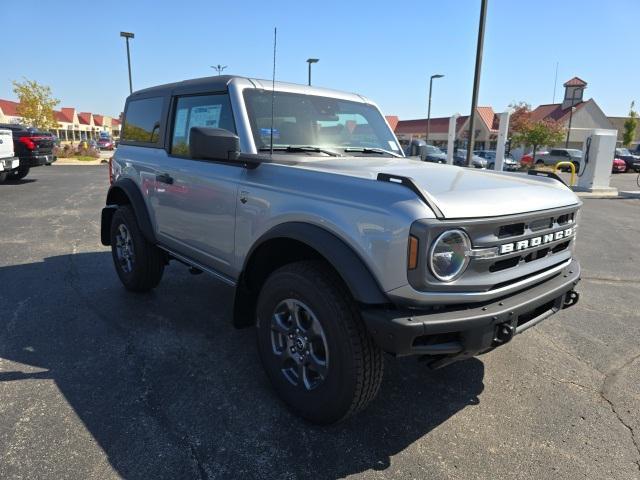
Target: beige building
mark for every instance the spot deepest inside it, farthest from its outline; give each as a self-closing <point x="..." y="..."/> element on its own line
<point x="72" y="126"/>
<point x="618" y="124"/>
<point x="575" y="112"/>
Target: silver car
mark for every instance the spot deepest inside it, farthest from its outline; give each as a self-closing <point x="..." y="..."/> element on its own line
<point x="335" y="246"/>
<point x="556" y="155"/>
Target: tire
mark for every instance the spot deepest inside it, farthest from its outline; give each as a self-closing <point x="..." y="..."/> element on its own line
<point x="539" y="163"/>
<point x="3" y="176"/>
<point x="491" y="166"/>
<point x="20" y="173"/>
<point x="139" y="263"/>
<point x="351" y="364"/>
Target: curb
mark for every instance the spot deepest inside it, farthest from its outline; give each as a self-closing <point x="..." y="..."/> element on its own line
<point x="66" y="161"/>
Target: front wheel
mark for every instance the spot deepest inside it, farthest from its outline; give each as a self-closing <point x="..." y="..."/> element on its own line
<point x="313" y="344"/>
<point x="491" y="166"/>
<point x="3" y="176"/>
<point x="539" y="163"/>
<point x="20" y="173"/>
<point x="139" y="263"/>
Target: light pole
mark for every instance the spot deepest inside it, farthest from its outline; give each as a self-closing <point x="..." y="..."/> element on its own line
<point x="127" y="36"/>
<point x="573" y="108"/>
<point x="429" y="108"/>
<point x="310" y="61"/>
<point x="219" y="68"/>
<point x="476" y="81"/>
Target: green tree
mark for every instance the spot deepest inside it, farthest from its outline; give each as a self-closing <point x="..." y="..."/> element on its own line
<point x="630" y="126"/>
<point x="35" y="104"/>
<point x="526" y="132"/>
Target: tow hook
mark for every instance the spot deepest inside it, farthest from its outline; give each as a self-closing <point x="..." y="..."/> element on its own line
<point x="570" y="299"/>
<point x="504" y="333"/>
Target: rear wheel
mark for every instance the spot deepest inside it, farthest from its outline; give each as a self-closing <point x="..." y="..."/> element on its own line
<point x="3" y="176"/>
<point x="313" y="344"/>
<point x="139" y="263"/>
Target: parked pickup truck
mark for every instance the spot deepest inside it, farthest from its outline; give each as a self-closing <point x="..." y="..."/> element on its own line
<point x="336" y="246"/>
<point x="8" y="162"/>
<point x="33" y="147"/>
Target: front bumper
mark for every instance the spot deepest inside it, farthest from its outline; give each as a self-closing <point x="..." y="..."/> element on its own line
<point x="456" y="332"/>
<point x="9" y="163"/>
<point x="37" y="160"/>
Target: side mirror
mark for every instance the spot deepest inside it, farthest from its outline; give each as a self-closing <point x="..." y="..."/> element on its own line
<point x="213" y="144"/>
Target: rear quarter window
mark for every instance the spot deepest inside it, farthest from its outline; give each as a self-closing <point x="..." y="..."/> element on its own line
<point x="142" y="121"/>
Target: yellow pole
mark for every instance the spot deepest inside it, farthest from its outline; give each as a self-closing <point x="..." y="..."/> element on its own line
<point x="571" y="166"/>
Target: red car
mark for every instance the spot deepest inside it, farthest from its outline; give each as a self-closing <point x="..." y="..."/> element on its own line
<point x="619" y="166"/>
<point x="527" y="159"/>
<point x="105" y="144"/>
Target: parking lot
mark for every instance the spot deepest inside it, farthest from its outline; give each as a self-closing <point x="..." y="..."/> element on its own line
<point x="96" y="382"/>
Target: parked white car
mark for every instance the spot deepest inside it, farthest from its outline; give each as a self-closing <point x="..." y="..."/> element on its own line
<point x="8" y="161"/>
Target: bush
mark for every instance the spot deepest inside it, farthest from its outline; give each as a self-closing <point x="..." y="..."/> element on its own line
<point x="87" y="152"/>
<point x="68" y="151"/>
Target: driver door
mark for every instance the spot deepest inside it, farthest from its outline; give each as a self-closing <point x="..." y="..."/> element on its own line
<point x="195" y="200"/>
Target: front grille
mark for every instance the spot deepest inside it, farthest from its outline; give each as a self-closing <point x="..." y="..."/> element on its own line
<point x="511" y="230"/>
<point x="487" y="271"/>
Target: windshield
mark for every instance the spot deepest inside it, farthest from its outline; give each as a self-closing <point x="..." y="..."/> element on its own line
<point x="324" y="122"/>
<point x="623" y="151"/>
<point x="433" y="150"/>
<point x="574" y="153"/>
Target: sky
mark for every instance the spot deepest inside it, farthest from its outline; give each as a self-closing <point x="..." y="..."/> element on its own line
<point x="385" y="50"/>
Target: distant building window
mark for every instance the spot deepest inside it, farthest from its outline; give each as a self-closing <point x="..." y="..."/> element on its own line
<point x="142" y="120"/>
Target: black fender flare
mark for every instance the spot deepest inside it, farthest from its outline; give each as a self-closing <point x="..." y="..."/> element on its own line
<point x="357" y="276"/>
<point x="126" y="191"/>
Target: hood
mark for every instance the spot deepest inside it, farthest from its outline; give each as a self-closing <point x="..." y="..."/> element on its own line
<point x="459" y="192"/>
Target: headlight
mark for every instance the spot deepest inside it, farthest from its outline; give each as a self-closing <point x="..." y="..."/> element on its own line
<point x="449" y="255"/>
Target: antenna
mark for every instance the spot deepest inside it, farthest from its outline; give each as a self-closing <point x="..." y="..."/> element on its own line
<point x="555" y="82"/>
<point x="273" y="84"/>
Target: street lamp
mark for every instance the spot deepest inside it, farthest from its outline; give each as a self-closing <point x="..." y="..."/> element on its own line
<point x="219" y="68"/>
<point x="429" y="109"/>
<point x="127" y="36"/>
<point x="310" y="61"/>
<point x="476" y="81"/>
<point x="573" y="109"/>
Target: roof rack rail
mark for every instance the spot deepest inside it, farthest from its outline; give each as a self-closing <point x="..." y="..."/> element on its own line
<point x="411" y="185"/>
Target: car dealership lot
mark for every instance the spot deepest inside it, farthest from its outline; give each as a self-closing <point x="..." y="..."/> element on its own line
<point x="96" y="382"/>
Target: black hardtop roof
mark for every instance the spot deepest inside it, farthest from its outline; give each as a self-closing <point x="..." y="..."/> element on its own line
<point x="218" y="82"/>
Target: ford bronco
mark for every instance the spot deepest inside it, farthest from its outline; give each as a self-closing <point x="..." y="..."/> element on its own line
<point x="338" y="248"/>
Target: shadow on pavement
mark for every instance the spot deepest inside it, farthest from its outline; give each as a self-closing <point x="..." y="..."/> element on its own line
<point x="169" y="389"/>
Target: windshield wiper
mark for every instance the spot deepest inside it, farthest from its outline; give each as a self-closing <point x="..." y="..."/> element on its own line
<point x="380" y="151"/>
<point x="301" y="148"/>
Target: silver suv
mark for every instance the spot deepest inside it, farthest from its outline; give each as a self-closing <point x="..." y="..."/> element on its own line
<point x="556" y="155"/>
<point x="338" y="248"/>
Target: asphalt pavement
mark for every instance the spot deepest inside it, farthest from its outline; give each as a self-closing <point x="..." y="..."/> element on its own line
<point x="99" y="383"/>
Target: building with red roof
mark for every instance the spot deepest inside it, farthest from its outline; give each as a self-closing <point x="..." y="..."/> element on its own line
<point x="72" y="126"/>
<point x="581" y="115"/>
<point x="584" y="115"/>
<point x="485" y="126"/>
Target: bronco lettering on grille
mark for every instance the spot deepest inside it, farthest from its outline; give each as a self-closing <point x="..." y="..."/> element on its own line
<point x="535" y="241"/>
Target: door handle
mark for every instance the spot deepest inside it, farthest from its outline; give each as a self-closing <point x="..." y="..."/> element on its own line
<point x="164" y="178"/>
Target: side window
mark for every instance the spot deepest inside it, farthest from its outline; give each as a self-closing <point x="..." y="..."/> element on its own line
<point x="142" y="121"/>
<point x="212" y="111"/>
<point x="555" y="152"/>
